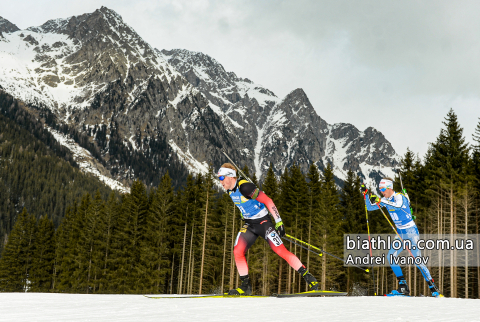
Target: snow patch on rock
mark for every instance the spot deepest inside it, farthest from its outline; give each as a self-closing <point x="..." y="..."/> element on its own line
<point x="85" y="160"/>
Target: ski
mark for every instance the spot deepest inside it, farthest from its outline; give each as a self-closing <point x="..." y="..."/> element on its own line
<point x="403" y="295"/>
<point x="312" y="294"/>
<point x="396" y="293"/>
<point x="193" y="296"/>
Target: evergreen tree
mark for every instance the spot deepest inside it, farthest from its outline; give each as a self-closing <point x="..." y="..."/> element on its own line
<point x="42" y="268"/>
<point x="210" y="257"/>
<point x="156" y="245"/>
<point x="449" y="153"/>
<point x="354" y="222"/>
<point x="476" y="155"/>
<point x="107" y="225"/>
<point x="447" y="166"/>
<point x="270" y="184"/>
<point x="330" y="221"/>
<point x="313" y="235"/>
<point x="73" y="264"/>
<point x="16" y="260"/>
<point x="90" y="254"/>
<point x="62" y="239"/>
<point x="129" y="276"/>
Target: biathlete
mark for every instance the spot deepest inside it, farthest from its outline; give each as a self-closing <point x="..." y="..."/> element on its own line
<point x="253" y="205"/>
<point x="398" y="207"/>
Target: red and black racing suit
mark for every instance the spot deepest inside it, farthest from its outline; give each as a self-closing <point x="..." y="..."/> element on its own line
<point x="252" y="202"/>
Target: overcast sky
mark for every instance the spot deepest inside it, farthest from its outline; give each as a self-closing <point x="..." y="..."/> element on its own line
<point x="398" y="66"/>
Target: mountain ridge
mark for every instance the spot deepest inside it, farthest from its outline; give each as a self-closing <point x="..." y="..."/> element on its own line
<point x="95" y="72"/>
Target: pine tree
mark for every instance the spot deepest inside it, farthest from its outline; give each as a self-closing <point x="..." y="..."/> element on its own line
<point x="270" y="184"/>
<point x="90" y="254"/>
<point x="354" y="222"/>
<point x="62" y="239"/>
<point x="476" y="155"/>
<point x="298" y="216"/>
<point x="107" y="225"/>
<point x="447" y="164"/>
<point x="130" y="271"/>
<point x="44" y="257"/>
<point x="156" y="245"/>
<point x="330" y="221"/>
<point x="314" y="197"/>
<point x="17" y="257"/>
<point x="210" y="256"/>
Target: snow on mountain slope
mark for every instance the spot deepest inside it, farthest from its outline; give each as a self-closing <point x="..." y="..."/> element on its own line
<point x="32" y="68"/>
<point x="86" y="161"/>
<point x="65" y="62"/>
<point x="95" y="71"/>
<point x="283" y="131"/>
<point x="221" y="87"/>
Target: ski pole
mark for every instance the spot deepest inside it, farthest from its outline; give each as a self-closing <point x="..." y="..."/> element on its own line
<point x="321" y="250"/>
<point x="391" y="225"/>
<point x="369" y="242"/>
<point x="304" y="247"/>
<point x="239" y="170"/>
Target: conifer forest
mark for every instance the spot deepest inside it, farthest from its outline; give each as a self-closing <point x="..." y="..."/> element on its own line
<point x="83" y="238"/>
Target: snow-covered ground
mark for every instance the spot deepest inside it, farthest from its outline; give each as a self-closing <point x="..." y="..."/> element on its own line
<point x="78" y="307"/>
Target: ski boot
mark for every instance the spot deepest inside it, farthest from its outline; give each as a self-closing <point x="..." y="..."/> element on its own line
<point x="244" y="289"/>
<point x="402" y="288"/>
<point x="433" y="288"/>
<point x="309" y="278"/>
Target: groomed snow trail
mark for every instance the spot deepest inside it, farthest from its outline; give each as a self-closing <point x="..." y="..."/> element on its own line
<point x="78" y="307"/>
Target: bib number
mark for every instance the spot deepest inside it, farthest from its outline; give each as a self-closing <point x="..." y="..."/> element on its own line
<point x="276" y="240"/>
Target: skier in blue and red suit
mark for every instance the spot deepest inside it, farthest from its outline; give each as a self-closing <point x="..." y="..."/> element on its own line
<point x="253" y="205"/>
<point x="398" y="208"/>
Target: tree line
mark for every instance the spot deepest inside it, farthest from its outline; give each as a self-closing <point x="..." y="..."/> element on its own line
<point x="164" y="240"/>
<point x="32" y="176"/>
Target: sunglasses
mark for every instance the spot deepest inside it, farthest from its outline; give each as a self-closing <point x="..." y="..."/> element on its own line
<point x="221" y="178"/>
<point x="383" y="189"/>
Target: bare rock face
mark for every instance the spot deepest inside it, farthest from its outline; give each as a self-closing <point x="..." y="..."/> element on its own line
<point x="285" y="131"/>
<point x="142" y="108"/>
<point x="293" y="133"/>
<point x="6" y="26"/>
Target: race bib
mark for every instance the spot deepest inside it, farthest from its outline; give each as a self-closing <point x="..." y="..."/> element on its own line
<point x="276" y="240"/>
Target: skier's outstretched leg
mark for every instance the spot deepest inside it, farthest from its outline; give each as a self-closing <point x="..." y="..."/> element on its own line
<point x="279" y="248"/>
<point x="413" y="234"/>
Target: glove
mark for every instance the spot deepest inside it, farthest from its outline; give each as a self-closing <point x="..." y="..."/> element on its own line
<point x="374" y="199"/>
<point x="280" y="228"/>
<point x="363" y="189"/>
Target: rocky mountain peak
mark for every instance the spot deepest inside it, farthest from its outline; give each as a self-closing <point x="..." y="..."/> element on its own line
<point x="298" y="109"/>
<point x="7" y="26"/>
<point x="210" y="77"/>
<point x="96" y="74"/>
<point x="200" y="64"/>
<point x="102" y="22"/>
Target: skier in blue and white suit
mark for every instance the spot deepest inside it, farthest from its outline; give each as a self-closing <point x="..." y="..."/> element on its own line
<point x="398" y="208"/>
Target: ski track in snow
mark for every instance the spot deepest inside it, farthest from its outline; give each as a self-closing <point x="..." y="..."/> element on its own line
<point x="83" y="307"/>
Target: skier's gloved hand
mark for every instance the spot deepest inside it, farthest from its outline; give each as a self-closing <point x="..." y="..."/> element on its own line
<point x="374" y="199"/>
<point x="280" y="228"/>
<point x="363" y="189"/>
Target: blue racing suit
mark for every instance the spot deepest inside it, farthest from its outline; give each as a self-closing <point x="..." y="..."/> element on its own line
<point x="399" y="210"/>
